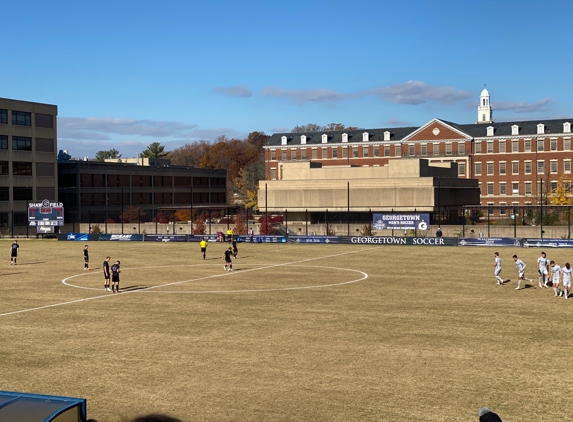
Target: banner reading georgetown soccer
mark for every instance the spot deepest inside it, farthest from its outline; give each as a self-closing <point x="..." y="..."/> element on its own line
<point x="401" y="221"/>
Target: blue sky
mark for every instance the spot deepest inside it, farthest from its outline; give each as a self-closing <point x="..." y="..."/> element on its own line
<point x="128" y="73"/>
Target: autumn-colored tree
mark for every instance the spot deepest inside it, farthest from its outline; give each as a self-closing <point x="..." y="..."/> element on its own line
<point x="561" y="195"/>
<point x="199" y="226"/>
<point x="190" y="154"/>
<point x="183" y="214"/>
<point x="131" y="215"/>
<point x="246" y="184"/>
<point x="162" y="218"/>
<point x="240" y="227"/>
<point x="266" y="226"/>
<point x="309" y="127"/>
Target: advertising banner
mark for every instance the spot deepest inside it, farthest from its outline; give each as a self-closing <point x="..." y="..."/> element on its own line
<point x="313" y="239"/>
<point x="165" y="237"/>
<point x="489" y="241"/>
<point x="413" y="221"/>
<point x="270" y="239"/>
<point x="400" y="241"/>
<point x="83" y="237"/>
<point x="121" y="237"/>
<point x="199" y="237"/>
<point x="548" y="243"/>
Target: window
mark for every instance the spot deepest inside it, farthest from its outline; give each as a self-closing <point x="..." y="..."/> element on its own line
<point x="514" y="146"/>
<point x="21" y="118"/>
<point x="478" y="147"/>
<point x="527" y="145"/>
<point x="314" y="153"/>
<point x="21" y="143"/>
<point x="4" y="116"/>
<point x="4" y="194"/>
<point x="540" y="144"/>
<point x="334" y="152"/>
<point x="502" y="170"/>
<point x="461" y="169"/>
<point x="490" y="208"/>
<point x="387" y="151"/>
<point x="527" y="167"/>
<point x="553" y="145"/>
<point x="528" y="188"/>
<point x="502" y="188"/>
<point x="3" y="142"/>
<point x="411" y="150"/>
<point x="502" y="208"/>
<point x="424" y="149"/>
<point x="436" y="149"/>
<point x="303" y="154"/>
<point x="355" y="152"/>
<point x="293" y="154"/>
<point x="490" y="169"/>
<point x="478" y="169"/>
<point x="515" y="167"/>
<point x="273" y="155"/>
<point x="376" y="151"/>
<point x="553" y="185"/>
<point x="461" y="148"/>
<point x="21" y="168"/>
<point x="273" y="173"/>
<point x="567" y="186"/>
<point x="324" y="153"/>
<point x="567" y="166"/>
<point x="541" y="166"/>
<point x="515" y="188"/>
<point x="4" y="168"/>
<point x="553" y="166"/>
<point x="490" y="188"/>
<point x="502" y="145"/>
<point x="566" y="144"/>
<point x="490" y="147"/>
<point x="398" y="150"/>
<point x="22" y="194"/>
<point x="344" y="152"/>
<point x="284" y="154"/>
<point x="448" y="149"/>
<point x="365" y="152"/>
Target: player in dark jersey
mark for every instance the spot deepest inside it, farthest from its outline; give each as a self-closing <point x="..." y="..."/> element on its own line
<point x="227" y="257"/>
<point x="106" y="274"/>
<point x="86" y="258"/>
<point x="115" y="277"/>
<point x="14" y="252"/>
<point x="235" y="249"/>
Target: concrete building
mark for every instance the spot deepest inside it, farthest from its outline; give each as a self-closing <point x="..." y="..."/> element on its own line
<point x="307" y="190"/>
<point x="28" y="160"/>
<point x="512" y="161"/>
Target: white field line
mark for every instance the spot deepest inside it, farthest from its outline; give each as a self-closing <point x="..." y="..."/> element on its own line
<point x="187" y="281"/>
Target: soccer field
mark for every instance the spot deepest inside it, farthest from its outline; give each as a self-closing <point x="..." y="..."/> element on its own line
<point x="295" y="332"/>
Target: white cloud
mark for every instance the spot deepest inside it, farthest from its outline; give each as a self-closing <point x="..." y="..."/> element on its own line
<point x="304" y="95"/>
<point x="416" y="92"/>
<point x="523" y="106"/>
<point x="240" y="91"/>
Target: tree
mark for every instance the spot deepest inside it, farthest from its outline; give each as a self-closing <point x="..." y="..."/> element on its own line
<point x="154" y="150"/>
<point x="190" y="154"/>
<point x="240" y="227"/>
<point x="131" y="215"/>
<point x="309" y="127"/>
<point x="199" y="226"/>
<point x="561" y="195"/>
<point x="110" y="154"/>
<point x="266" y="226"/>
<point x="183" y="214"/>
<point x="247" y="183"/>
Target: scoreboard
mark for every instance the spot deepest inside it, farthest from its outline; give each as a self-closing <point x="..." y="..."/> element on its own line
<point x="45" y="213"/>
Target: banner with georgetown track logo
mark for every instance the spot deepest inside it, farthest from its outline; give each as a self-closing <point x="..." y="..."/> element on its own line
<point x="490" y="241"/>
<point x="548" y="243"/>
<point x="400" y="241"/>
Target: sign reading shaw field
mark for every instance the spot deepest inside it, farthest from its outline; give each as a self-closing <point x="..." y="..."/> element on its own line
<point x="401" y="221"/>
<point x="45" y="213"/>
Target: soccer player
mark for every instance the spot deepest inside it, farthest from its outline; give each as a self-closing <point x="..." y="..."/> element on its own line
<point x="203" y="246"/>
<point x="227" y="257"/>
<point x="106" y="274"/>
<point x="235" y="249"/>
<point x="566" y="271"/>
<point x="86" y="258"/>
<point x="542" y="270"/>
<point x="14" y="252"/>
<point x="497" y="268"/>
<point x="520" y="265"/>
<point x="115" y="277"/>
<point x="556" y="278"/>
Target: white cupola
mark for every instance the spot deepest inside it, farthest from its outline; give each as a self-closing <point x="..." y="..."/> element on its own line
<point x="485" y="111"/>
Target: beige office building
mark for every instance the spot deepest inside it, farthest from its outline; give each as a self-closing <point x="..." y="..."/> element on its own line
<point x="28" y="157"/>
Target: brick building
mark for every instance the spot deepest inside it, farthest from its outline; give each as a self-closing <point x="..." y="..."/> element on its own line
<point x="513" y="161"/>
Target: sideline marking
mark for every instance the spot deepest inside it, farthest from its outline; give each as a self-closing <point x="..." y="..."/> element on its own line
<point x="172" y="284"/>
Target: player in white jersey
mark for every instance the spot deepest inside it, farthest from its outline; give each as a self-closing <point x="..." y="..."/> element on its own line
<point x="520" y="265"/>
<point x="566" y="271"/>
<point x="556" y="277"/>
<point x="543" y="270"/>
<point x="497" y="268"/>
